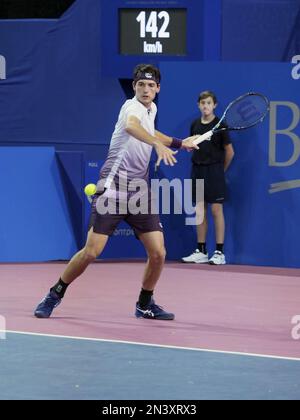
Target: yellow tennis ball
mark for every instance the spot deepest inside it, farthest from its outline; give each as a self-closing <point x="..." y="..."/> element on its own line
<point x="90" y="189"/>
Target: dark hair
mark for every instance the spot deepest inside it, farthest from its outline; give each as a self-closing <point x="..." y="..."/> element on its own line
<point x="147" y="68"/>
<point x="207" y="94"/>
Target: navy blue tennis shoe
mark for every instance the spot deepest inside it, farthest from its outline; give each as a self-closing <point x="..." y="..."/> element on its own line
<point x="153" y="311"/>
<point x="45" y="308"/>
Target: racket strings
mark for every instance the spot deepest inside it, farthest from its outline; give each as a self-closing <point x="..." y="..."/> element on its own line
<point x="246" y="111"/>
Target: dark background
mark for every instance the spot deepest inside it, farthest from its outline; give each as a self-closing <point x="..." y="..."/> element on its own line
<point x="33" y="9"/>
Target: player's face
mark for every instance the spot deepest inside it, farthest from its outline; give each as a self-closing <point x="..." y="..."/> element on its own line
<point x="146" y="91"/>
<point x="207" y="107"/>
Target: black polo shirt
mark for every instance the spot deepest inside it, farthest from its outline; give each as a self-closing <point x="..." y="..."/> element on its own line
<point x="210" y="151"/>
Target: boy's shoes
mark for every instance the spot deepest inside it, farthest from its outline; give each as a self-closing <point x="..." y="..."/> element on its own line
<point x="196" y="257"/>
<point x="153" y="311"/>
<point x="217" y="259"/>
<point x="45" y="308"/>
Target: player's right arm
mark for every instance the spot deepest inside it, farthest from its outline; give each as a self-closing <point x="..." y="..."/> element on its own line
<point x="135" y="129"/>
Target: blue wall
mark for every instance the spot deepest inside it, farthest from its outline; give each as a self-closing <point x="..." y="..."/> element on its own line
<point x="266" y="30"/>
<point x="262" y="227"/>
<point x="35" y="222"/>
<point x="62" y="84"/>
<point x="62" y="91"/>
<point x="54" y="92"/>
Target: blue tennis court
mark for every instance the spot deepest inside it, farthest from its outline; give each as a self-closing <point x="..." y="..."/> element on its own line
<point x="54" y="368"/>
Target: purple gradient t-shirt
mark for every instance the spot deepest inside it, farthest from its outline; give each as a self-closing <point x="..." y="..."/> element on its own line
<point x="127" y="155"/>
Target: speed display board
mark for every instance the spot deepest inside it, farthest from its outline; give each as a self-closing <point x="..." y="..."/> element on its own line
<point x="153" y="32"/>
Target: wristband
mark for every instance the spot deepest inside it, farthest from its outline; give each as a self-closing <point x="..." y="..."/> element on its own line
<point x="176" y="143"/>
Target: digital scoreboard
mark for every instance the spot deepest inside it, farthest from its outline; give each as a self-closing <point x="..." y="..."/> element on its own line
<point x="153" y="32"/>
<point x="150" y="31"/>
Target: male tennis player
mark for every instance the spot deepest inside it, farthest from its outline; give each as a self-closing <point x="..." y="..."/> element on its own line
<point x="130" y="150"/>
<point x="210" y="163"/>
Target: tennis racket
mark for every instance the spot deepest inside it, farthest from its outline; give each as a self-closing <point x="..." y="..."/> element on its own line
<point x="244" y="112"/>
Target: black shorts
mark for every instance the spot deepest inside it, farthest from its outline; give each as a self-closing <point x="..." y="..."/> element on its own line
<point x="214" y="182"/>
<point x="106" y="224"/>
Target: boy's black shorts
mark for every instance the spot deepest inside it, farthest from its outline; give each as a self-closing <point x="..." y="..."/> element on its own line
<point x="214" y="182"/>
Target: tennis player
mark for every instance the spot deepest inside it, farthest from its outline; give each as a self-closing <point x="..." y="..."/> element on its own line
<point x="130" y="150"/>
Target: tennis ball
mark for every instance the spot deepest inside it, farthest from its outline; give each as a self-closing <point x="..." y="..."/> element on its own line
<point x="90" y="189"/>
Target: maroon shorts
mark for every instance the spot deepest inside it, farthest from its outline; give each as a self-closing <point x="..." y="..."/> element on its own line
<point x="106" y="224"/>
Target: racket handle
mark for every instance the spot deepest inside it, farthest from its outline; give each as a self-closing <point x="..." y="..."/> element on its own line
<point x="204" y="137"/>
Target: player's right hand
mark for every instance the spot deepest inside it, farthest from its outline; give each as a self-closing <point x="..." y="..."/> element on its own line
<point x="164" y="154"/>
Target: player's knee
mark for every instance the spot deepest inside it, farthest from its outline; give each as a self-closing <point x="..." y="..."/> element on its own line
<point x="158" y="257"/>
<point x="90" y="254"/>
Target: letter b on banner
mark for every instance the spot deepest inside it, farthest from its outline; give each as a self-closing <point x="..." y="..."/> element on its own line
<point x="288" y="132"/>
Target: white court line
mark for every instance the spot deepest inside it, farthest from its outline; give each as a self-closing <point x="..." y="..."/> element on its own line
<point x="102" y="340"/>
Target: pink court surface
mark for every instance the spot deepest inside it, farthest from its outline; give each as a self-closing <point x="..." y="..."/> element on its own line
<point x="230" y="308"/>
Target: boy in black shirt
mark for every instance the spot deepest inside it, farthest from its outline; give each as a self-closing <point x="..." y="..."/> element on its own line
<point x="210" y="163"/>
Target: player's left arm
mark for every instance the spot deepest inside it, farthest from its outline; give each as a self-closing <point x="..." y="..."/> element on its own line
<point x="229" y="153"/>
